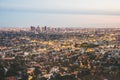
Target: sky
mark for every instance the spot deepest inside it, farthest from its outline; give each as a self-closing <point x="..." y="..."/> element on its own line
<point x="60" y="13"/>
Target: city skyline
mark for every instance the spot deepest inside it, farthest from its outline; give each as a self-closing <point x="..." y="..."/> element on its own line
<point x="63" y="13"/>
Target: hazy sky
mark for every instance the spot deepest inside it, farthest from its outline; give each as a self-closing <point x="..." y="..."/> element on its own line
<point x="60" y="13"/>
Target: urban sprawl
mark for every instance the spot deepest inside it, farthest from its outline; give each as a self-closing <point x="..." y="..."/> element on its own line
<point x="46" y="53"/>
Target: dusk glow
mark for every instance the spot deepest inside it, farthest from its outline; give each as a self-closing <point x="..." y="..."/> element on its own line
<point x="62" y="13"/>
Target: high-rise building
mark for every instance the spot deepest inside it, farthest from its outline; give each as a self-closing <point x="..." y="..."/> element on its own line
<point x="38" y="29"/>
<point x="44" y="28"/>
<point x="32" y="28"/>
